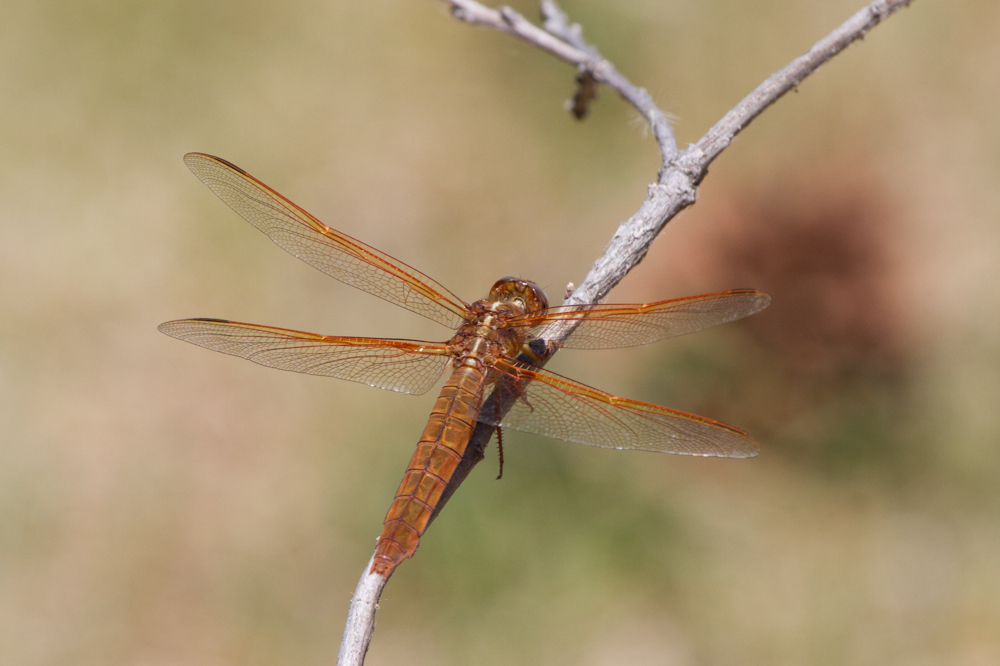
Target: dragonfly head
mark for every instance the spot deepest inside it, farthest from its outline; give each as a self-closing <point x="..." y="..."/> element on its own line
<point x="523" y="295"/>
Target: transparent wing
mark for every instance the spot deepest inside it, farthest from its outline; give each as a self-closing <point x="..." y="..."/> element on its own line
<point x="609" y="326"/>
<point x="405" y="366"/>
<point x="548" y="404"/>
<point x="336" y="254"/>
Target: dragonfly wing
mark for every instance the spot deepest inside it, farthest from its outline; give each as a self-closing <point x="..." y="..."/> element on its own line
<point x="548" y="404"/>
<point x="338" y="255"/>
<point x="406" y="366"/>
<point x="609" y="326"/>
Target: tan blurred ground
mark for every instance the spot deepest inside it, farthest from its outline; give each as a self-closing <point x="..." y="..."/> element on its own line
<point x="160" y="504"/>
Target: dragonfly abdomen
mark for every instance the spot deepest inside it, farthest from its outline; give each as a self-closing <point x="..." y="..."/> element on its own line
<point x="438" y="453"/>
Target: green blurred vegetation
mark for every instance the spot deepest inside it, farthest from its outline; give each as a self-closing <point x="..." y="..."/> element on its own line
<point x="162" y="504"/>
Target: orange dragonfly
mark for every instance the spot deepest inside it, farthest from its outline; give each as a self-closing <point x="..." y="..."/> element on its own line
<point x="490" y="334"/>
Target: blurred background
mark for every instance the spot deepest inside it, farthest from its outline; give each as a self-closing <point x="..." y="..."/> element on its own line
<point x="162" y="504"/>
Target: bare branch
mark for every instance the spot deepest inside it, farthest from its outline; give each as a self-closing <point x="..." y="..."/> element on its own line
<point x="507" y="20"/>
<point x="566" y="42"/>
<point x="361" y="618"/>
<point x="719" y="137"/>
<point x="557" y="23"/>
<point x="675" y="189"/>
<point x="677" y="182"/>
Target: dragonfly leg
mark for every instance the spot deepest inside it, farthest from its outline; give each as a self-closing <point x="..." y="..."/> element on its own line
<point x="530" y="353"/>
<point x="500" y="448"/>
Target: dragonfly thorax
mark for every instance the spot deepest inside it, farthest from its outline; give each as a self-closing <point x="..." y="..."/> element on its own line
<point x="524" y="295"/>
<point x="485" y="336"/>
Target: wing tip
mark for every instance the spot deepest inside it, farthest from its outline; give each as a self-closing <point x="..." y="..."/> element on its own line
<point x="742" y="445"/>
<point x="750" y="450"/>
<point x="761" y="300"/>
<point x="195" y="160"/>
<point x="192" y="159"/>
<point x="758" y="300"/>
<point x="169" y="327"/>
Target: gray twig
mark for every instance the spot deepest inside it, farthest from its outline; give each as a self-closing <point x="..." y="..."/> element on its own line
<point x="675" y="189"/>
<point x="565" y="41"/>
<point x="361" y="618"/>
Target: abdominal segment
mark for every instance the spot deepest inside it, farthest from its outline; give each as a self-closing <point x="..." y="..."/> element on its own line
<point x="438" y="453"/>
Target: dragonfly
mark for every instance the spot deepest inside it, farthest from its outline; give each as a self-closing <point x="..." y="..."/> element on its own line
<point x="490" y="354"/>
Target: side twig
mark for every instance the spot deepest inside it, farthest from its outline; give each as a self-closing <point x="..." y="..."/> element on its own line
<point x="674" y="190"/>
<point x="565" y="41"/>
